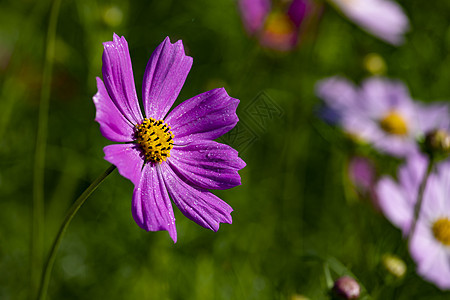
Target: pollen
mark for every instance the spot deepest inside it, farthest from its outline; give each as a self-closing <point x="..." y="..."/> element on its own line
<point x="441" y="231"/>
<point x="155" y="139"/>
<point x="394" y="123"/>
<point x="278" y="23"/>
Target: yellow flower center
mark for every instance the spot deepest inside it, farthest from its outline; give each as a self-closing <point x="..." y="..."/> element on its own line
<point x="155" y="138"/>
<point x="441" y="231"/>
<point x="394" y="123"/>
<point x="279" y="23"/>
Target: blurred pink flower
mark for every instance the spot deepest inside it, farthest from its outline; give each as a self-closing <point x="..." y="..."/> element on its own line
<point x="382" y="18"/>
<point x="381" y="112"/>
<point x="275" y="28"/>
<point x="430" y="243"/>
<point x="361" y="173"/>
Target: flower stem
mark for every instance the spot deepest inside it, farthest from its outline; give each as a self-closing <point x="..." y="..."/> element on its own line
<point x="70" y="214"/>
<point x="420" y="195"/>
<point x="37" y="230"/>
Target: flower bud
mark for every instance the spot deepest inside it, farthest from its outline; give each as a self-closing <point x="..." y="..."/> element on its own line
<point x="437" y="143"/>
<point x="113" y="16"/>
<point x="394" y="265"/>
<point x="346" y="288"/>
<point x="298" y="297"/>
<point x="375" y="64"/>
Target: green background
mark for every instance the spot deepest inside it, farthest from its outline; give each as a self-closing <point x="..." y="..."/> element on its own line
<point x="295" y="214"/>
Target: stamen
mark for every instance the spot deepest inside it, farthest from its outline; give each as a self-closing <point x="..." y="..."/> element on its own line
<point x="394" y="123"/>
<point x="441" y="231"/>
<point x="155" y="149"/>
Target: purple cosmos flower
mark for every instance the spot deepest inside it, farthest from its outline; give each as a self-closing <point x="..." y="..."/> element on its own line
<point x="381" y="113"/>
<point x="430" y="243"/>
<point x="167" y="153"/>
<point x="277" y="29"/>
<point x="382" y="18"/>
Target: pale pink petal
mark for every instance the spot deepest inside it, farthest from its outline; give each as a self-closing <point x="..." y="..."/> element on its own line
<point x="395" y="204"/>
<point x="254" y="13"/>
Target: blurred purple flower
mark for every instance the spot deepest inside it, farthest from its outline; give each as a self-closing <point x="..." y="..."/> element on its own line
<point x="430" y="243"/>
<point x="277" y="29"/>
<point x="382" y="18"/>
<point x="362" y="174"/>
<point x="397" y="200"/>
<point x="167" y="153"/>
<point x="381" y="113"/>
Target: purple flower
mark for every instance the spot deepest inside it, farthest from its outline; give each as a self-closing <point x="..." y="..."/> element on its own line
<point x="382" y="113"/>
<point x="277" y="29"/>
<point x="167" y="153"/>
<point x="382" y="18"/>
<point x="430" y="243"/>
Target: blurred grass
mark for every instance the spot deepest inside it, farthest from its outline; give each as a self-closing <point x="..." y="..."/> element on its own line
<point x="291" y="203"/>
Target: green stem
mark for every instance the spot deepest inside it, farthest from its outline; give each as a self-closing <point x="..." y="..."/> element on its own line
<point x="37" y="236"/>
<point x="421" y="191"/>
<point x="73" y="210"/>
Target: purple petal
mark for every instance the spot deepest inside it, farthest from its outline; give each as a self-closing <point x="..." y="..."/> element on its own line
<point x="298" y="10"/>
<point x="197" y="204"/>
<point x="338" y="93"/>
<point x="254" y="13"/>
<point x="433" y="116"/>
<point x="128" y="160"/>
<point x="395" y="204"/>
<point x="432" y="258"/>
<point x="164" y="77"/>
<point x="411" y="175"/>
<point x="383" y="18"/>
<point x="118" y="78"/>
<point x="436" y="202"/>
<point x="207" y="164"/>
<point x="395" y="146"/>
<point x="444" y="184"/>
<point x="151" y="206"/>
<point x="361" y="172"/>
<point x="203" y="117"/>
<point x="383" y="95"/>
<point x="113" y="125"/>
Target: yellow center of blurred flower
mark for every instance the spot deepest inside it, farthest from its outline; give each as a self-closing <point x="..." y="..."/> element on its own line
<point x="155" y="138"/>
<point x="441" y="231"/>
<point x="279" y="23"/>
<point x="394" y="123"/>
